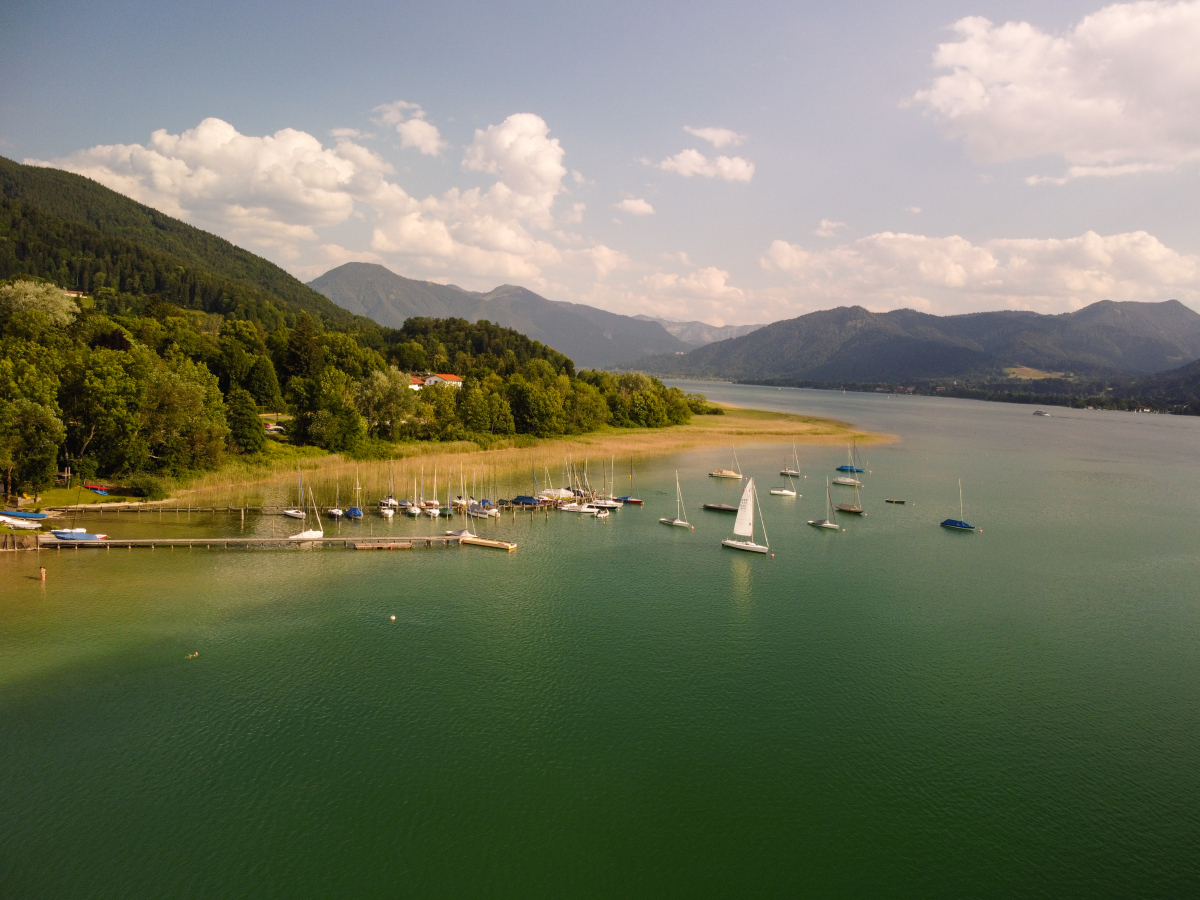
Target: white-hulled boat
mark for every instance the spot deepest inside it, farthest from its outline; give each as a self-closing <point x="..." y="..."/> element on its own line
<point x="298" y="512"/>
<point x="830" y="520"/>
<point x="744" y="526"/>
<point x="311" y="534"/>
<point x="789" y="491"/>
<point x="680" y="519"/>
<point x="792" y="468"/>
<point x="735" y="472"/>
<point x="336" y="511"/>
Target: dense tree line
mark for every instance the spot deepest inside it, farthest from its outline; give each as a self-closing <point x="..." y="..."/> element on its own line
<point x="123" y="383"/>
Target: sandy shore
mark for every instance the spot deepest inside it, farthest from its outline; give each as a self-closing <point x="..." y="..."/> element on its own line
<point x="239" y="484"/>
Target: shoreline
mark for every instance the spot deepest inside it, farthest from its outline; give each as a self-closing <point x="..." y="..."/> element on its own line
<point x="737" y="426"/>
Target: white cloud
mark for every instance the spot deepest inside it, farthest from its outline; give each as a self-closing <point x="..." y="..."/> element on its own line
<point x="718" y="137"/>
<point x="1117" y="94"/>
<point x="692" y="162"/>
<point x="829" y="228"/>
<point x="528" y="161"/>
<point x="271" y="191"/>
<point x="952" y="275"/>
<point x="635" y="206"/>
<point x="409" y="121"/>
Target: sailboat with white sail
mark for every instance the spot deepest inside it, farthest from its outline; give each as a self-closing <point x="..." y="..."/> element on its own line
<point x="311" y="534"/>
<point x="680" y="519"/>
<point x="744" y="526"/>
<point x="830" y="520"/>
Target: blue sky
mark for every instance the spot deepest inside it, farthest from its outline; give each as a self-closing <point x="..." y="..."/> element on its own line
<point x="948" y="156"/>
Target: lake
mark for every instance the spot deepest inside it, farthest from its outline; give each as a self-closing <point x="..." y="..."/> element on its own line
<point x="624" y="709"/>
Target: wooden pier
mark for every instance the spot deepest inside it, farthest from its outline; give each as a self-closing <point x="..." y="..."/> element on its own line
<point x="49" y="542"/>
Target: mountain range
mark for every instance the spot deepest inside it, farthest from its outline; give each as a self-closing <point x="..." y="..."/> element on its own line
<point x="592" y="337"/>
<point x="851" y="344"/>
<point x="700" y="333"/>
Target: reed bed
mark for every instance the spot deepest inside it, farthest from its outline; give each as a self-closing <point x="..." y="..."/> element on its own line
<point x="498" y="472"/>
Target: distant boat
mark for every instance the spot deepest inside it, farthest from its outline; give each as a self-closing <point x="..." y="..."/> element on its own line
<point x="855" y="508"/>
<point x="355" y="512"/>
<point x="336" y="511"/>
<point x="890" y="500"/>
<point x="789" y="491"/>
<point x="76" y="534"/>
<point x="792" y="468"/>
<point x="1040" y="412"/>
<point x="720" y="507"/>
<point x="744" y="526"/>
<point x="21" y="524"/>
<point x="958" y="524"/>
<point x="632" y="498"/>
<point x="311" y="534"/>
<point x="21" y="514"/>
<point x="735" y="472"/>
<point x="680" y="513"/>
<point x="848" y="480"/>
<point x="830" y="520"/>
<point x="298" y="512"/>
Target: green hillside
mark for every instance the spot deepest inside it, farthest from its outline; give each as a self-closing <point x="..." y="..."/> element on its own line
<point x="75" y="199"/>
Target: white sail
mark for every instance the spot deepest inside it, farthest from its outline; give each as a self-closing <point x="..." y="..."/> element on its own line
<point x="744" y="526"/>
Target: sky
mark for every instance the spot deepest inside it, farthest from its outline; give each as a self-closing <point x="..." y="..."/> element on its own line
<point x="733" y="163"/>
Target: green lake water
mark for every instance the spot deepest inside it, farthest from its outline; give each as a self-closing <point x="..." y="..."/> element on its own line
<point x="625" y="709"/>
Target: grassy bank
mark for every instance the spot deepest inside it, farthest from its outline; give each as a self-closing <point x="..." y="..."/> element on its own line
<point x="271" y="477"/>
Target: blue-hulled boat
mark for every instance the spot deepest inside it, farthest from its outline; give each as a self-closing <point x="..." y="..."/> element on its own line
<point x="76" y="534"/>
<point x="19" y="514"/>
<point x="850" y="469"/>
<point x="355" y="512"/>
<point x="958" y="524"/>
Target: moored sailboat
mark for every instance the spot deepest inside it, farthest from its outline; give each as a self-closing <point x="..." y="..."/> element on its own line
<point x="830" y="520"/>
<point x="735" y="472"/>
<point x="744" y="525"/>
<point x="680" y="519"/>
<point x="958" y="524"/>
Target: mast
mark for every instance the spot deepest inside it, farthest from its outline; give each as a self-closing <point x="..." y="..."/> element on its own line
<point x="766" y="540"/>
<point x="960" y="503"/>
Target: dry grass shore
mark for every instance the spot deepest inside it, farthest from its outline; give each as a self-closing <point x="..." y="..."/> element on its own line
<point x="241" y="483"/>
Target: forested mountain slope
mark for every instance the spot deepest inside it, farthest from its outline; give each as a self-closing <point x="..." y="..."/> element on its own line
<point x="75" y="199"/>
<point x="852" y="344"/>
<point x="590" y="336"/>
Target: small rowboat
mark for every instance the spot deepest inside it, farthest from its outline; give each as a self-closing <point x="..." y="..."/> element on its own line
<point x="889" y="500"/>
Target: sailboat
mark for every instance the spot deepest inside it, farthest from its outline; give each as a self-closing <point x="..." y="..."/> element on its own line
<point x="413" y="508"/>
<point x="854" y="465"/>
<point x="389" y="504"/>
<point x="848" y="480"/>
<point x="958" y="524"/>
<point x="336" y="511"/>
<point x="632" y="498"/>
<point x="298" y="512"/>
<point x="355" y="512"/>
<point x="735" y="472"/>
<point x="792" y="468"/>
<point x="789" y="491"/>
<point x="830" y="520"/>
<point x="607" y="500"/>
<point x="312" y="534"/>
<point x="433" y="509"/>
<point x="680" y="513"/>
<point x="854" y="508"/>
<point x="744" y="526"/>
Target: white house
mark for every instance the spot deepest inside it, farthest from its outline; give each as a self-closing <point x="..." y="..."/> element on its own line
<point x="452" y="380"/>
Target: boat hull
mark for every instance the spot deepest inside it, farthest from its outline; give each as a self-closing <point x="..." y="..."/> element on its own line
<point x="634" y="500"/>
<point x="957" y="525"/>
<point x="724" y="473"/>
<point x="823" y="523"/>
<point x="782" y="492"/>
<point x="853" y="510"/>
<point x="17" y="514"/>
<point x="748" y="546"/>
<point x="720" y="507"/>
<point x="678" y="523"/>
<point x="848" y="482"/>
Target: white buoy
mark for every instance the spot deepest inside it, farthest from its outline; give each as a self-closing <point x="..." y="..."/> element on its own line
<point x="393" y="618"/>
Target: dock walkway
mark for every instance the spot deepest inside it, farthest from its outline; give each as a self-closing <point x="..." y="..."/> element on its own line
<point x="49" y="542"/>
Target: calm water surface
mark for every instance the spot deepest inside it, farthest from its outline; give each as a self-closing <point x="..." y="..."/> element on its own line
<point x="624" y="709"/>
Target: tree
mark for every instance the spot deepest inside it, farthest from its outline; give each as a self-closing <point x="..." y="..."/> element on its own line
<point x="535" y="411"/>
<point x="246" y="430"/>
<point x="384" y="400"/>
<point x="263" y="384"/>
<point x="23" y="295"/>
<point x="647" y="409"/>
<point x="500" y="415"/>
<point x="473" y="409"/>
<point x="305" y="357"/>
<point x="585" y="409"/>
